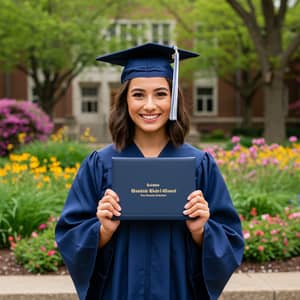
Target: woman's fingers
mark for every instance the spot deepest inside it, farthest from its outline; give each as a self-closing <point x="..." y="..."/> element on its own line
<point x="104" y="214"/>
<point x="194" y="200"/>
<point x="194" y="194"/>
<point x="109" y="206"/>
<point x="112" y="201"/>
<point x="196" y="206"/>
<point x="111" y="193"/>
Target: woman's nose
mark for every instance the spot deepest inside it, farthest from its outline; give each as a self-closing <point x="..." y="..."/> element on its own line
<point x="149" y="102"/>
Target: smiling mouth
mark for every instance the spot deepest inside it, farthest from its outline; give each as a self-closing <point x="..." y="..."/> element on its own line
<point x="150" y="117"/>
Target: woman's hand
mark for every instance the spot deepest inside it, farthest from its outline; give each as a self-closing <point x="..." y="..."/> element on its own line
<point x="108" y="207"/>
<point x="196" y="208"/>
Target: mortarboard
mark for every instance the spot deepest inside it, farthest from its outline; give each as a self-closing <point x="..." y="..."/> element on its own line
<point x="151" y="60"/>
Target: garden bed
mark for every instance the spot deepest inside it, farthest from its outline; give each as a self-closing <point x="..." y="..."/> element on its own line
<point x="9" y="266"/>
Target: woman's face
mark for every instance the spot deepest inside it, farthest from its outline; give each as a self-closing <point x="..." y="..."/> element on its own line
<point x="148" y="102"/>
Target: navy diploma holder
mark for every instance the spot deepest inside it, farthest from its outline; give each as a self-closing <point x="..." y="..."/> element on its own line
<point x="153" y="188"/>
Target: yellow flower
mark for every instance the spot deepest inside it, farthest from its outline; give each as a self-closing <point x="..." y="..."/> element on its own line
<point x="46" y="179"/>
<point x="39" y="185"/>
<point x="10" y="147"/>
<point x="68" y="185"/>
<point x="21" y="137"/>
<point x="34" y="164"/>
<point x="3" y="172"/>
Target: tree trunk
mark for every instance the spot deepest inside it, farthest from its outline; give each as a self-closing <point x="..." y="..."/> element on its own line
<point x="247" y="113"/>
<point x="274" y="94"/>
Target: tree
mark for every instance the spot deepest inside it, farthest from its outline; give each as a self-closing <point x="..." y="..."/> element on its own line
<point x="266" y="25"/>
<point x="52" y="41"/>
<point x="223" y="43"/>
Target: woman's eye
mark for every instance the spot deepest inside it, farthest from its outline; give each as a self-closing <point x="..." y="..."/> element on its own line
<point x="137" y="95"/>
<point x="162" y="94"/>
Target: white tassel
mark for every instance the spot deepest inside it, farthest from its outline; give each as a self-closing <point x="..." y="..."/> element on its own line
<point x="174" y="96"/>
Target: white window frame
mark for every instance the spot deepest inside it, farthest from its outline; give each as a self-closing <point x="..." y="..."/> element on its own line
<point x="206" y="83"/>
<point x="146" y="26"/>
<point x="91" y="98"/>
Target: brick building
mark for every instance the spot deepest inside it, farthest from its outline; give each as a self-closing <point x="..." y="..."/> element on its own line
<point x="211" y="102"/>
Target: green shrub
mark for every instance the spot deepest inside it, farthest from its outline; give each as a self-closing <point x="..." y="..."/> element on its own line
<point x="38" y="254"/>
<point x="24" y="206"/>
<point x="68" y="153"/>
<point x="249" y="132"/>
<point x="272" y="238"/>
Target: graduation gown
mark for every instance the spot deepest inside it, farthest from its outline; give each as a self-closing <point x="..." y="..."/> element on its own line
<point x="148" y="260"/>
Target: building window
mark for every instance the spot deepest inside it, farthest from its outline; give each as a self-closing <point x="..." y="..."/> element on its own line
<point x="133" y="33"/>
<point x="89" y="99"/>
<point x="205" y="97"/>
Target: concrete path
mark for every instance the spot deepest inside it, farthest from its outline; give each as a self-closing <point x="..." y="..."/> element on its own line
<point x="242" y="286"/>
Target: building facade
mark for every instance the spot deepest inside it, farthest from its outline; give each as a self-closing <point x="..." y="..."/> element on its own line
<point x="212" y="104"/>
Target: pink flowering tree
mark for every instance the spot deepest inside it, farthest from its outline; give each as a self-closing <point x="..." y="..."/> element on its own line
<point x="21" y="122"/>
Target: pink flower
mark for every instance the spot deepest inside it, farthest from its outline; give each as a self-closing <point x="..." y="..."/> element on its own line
<point x="261" y="248"/>
<point x="274" y="231"/>
<point x="246" y="235"/>
<point x="253" y="212"/>
<point x="237" y="147"/>
<point x="54" y="244"/>
<point x="242" y="159"/>
<point x="298" y="234"/>
<point x="273" y="147"/>
<point x="294" y="215"/>
<point x="235" y="139"/>
<point x="293" y="139"/>
<point x="11" y="238"/>
<point x="42" y="226"/>
<point x="259" y="142"/>
<point x="34" y="234"/>
<point x="220" y="162"/>
<point x="259" y="233"/>
<point x="51" y="252"/>
<point x="253" y="151"/>
<point x="43" y="248"/>
<point x="265" y="217"/>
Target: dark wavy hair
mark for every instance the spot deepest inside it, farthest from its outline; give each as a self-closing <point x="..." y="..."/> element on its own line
<point x="122" y="127"/>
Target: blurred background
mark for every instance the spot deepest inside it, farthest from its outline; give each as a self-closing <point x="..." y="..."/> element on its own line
<point x="245" y="82"/>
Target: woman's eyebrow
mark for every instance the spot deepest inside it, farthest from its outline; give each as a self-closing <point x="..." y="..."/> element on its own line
<point x="161" y="88"/>
<point x="142" y="90"/>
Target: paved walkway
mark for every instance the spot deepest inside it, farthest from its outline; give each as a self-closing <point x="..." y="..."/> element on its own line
<point x="243" y="286"/>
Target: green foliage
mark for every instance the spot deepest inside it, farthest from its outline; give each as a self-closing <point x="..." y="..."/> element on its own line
<point x="213" y="136"/>
<point x="266" y="188"/>
<point x="38" y="254"/>
<point x="63" y="31"/>
<point x="68" y="153"/>
<point x="272" y="238"/>
<point x="248" y="132"/>
<point x="24" y="205"/>
<point x="53" y="41"/>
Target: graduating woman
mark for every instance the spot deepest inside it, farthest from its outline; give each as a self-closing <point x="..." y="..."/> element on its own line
<point x="164" y="260"/>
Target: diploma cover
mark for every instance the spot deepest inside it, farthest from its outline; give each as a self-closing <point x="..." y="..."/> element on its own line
<point x="153" y="188"/>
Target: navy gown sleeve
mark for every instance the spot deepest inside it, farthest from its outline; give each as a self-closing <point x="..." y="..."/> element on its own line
<point x="223" y="244"/>
<point x="77" y="230"/>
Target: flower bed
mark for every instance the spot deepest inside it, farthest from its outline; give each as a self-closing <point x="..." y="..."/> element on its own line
<point x="263" y="181"/>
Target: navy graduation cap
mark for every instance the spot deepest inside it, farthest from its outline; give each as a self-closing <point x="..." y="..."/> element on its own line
<point x="151" y="60"/>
